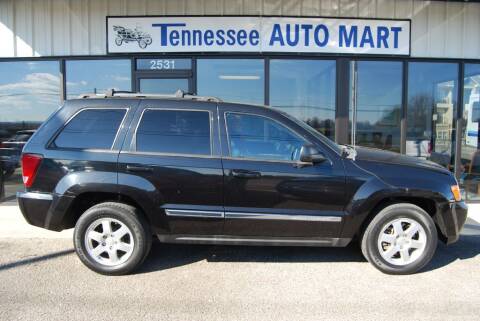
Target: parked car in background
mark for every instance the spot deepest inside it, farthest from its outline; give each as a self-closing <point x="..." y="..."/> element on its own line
<point x="11" y="150"/>
<point x="188" y="169"/>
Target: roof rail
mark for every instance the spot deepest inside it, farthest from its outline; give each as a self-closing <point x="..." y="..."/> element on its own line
<point x="129" y="94"/>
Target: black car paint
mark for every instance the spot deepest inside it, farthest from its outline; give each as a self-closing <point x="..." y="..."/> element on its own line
<point x="347" y="190"/>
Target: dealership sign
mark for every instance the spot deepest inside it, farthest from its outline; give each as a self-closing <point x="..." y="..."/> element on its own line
<point x="258" y="34"/>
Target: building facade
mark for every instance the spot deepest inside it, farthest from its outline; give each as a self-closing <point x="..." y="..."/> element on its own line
<point x="399" y="75"/>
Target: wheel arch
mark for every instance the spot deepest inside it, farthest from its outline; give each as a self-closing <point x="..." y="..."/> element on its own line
<point x="361" y="211"/>
<point x="427" y="204"/>
<point x="86" y="200"/>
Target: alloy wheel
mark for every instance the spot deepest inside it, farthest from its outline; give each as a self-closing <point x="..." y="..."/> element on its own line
<point x="402" y="241"/>
<point x="109" y="241"/>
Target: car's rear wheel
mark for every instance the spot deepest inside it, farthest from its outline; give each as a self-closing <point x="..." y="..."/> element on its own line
<point x="401" y="239"/>
<point x="112" y="238"/>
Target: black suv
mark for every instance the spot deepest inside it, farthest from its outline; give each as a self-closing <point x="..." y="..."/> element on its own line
<point x="188" y="169"/>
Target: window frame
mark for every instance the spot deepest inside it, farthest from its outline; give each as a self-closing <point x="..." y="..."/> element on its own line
<point x="295" y="133"/>
<point x="134" y="149"/>
<point x="51" y="143"/>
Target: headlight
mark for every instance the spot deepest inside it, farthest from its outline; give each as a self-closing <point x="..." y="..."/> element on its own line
<point x="456" y="193"/>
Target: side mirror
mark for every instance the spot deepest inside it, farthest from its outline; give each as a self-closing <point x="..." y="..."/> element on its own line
<point x="309" y="154"/>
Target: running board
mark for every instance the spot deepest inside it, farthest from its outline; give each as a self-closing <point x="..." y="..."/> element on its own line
<point x="254" y="240"/>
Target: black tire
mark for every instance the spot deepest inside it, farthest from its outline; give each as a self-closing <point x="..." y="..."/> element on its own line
<point x="126" y="214"/>
<point x="369" y="240"/>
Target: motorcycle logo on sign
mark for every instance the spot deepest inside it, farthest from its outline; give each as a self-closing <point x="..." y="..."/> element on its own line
<point x="128" y="35"/>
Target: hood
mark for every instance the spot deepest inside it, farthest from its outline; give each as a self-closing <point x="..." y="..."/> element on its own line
<point x="382" y="156"/>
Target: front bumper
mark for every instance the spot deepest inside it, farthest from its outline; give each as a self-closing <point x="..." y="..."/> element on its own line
<point x="44" y="210"/>
<point x="450" y="220"/>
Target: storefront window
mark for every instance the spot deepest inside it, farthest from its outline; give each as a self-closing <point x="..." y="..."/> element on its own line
<point x="29" y="93"/>
<point x="378" y="86"/>
<point x="306" y="90"/>
<point x="97" y="76"/>
<point x="432" y="99"/>
<point x="235" y="80"/>
<point x="470" y="174"/>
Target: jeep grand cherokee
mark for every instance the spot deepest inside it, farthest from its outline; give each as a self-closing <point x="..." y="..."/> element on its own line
<point x="122" y="168"/>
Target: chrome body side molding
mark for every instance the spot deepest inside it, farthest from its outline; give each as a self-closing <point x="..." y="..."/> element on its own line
<point x="250" y="216"/>
<point x="282" y="217"/>
<point x="194" y="213"/>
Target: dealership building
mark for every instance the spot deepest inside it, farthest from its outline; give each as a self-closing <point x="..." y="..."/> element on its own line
<point x="398" y="75"/>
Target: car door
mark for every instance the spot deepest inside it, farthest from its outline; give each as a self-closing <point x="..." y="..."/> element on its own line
<point x="268" y="192"/>
<point x="171" y="162"/>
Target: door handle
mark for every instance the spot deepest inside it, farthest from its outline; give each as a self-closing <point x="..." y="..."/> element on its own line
<point x="242" y="173"/>
<point x="133" y="168"/>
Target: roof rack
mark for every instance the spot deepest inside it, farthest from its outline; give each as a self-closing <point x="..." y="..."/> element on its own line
<point x="129" y="94"/>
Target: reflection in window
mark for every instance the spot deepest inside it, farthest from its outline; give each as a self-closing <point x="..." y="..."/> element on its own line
<point x="174" y="132"/>
<point x="163" y="85"/>
<point x="306" y="90"/>
<point x="432" y="99"/>
<point x="97" y="76"/>
<point x="470" y="156"/>
<point x="379" y="101"/>
<point x="235" y="80"/>
<point x="91" y="129"/>
<point x="29" y="93"/>
<point x="258" y="137"/>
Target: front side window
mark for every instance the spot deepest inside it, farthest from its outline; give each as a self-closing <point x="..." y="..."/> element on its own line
<point x="257" y="137"/>
<point x="91" y="129"/>
<point x="174" y="132"/>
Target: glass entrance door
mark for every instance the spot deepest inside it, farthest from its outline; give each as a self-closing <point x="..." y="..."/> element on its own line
<point x="163" y="85"/>
<point x="163" y="75"/>
<point x="375" y="104"/>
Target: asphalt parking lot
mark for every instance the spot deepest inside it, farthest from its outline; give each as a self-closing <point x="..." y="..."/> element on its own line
<point x="42" y="279"/>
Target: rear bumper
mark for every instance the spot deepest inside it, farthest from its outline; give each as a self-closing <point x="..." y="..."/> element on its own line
<point x="451" y="219"/>
<point x="44" y="209"/>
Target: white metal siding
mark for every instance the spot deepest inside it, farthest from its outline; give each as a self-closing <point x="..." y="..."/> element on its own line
<point x="77" y="27"/>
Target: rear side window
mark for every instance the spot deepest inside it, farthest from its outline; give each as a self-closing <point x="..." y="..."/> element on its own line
<point x="174" y="132"/>
<point x="91" y="129"/>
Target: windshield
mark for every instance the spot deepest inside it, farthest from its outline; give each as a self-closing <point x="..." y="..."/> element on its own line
<point x="337" y="148"/>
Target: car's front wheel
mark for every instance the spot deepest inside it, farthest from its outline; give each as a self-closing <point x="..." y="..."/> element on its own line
<point x="112" y="238"/>
<point x="401" y="239"/>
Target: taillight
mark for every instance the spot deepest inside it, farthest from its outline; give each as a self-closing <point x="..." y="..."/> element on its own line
<point x="30" y="163"/>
